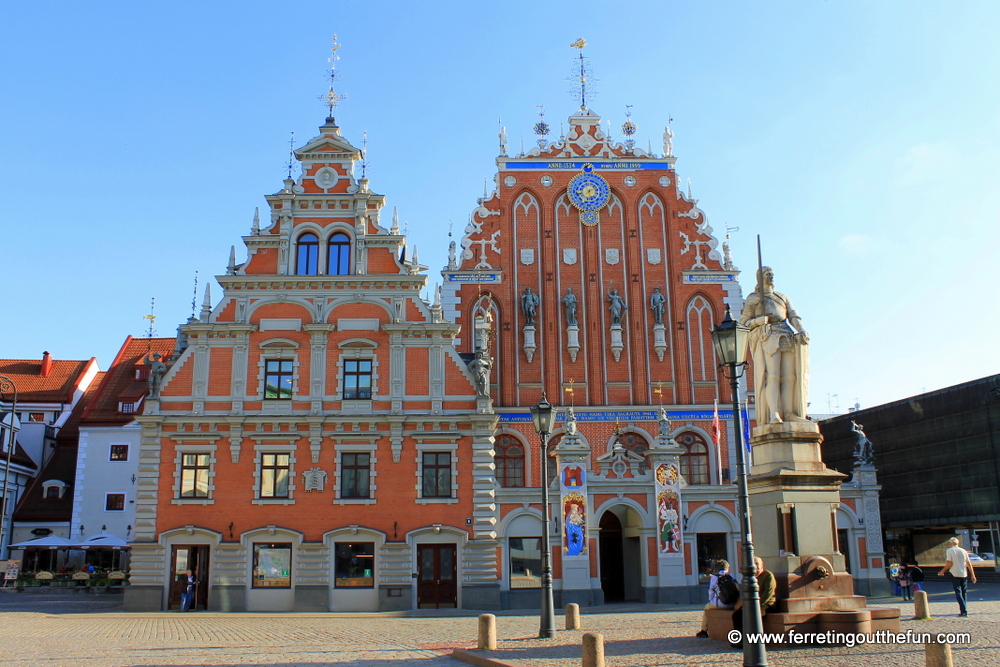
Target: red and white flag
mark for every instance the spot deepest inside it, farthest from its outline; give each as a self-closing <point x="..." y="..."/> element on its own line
<point x="716" y="438"/>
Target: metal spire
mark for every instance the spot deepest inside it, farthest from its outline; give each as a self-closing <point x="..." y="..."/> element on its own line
<point x="582" y="72"/>
<point x="364" y="154"/>
<point x="152" y="318"/>
<point x="332" y="98"/>
<point x="255" y="228"/>
<point x="194" y="297"/>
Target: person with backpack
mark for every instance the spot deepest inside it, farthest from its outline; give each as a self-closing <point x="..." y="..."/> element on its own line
<point x="916" y="576"/>
<point x="905" y="583"/>
<point x="723" y="592"/>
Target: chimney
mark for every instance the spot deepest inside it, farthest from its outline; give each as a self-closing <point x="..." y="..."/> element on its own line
<point x="46" y="365"/>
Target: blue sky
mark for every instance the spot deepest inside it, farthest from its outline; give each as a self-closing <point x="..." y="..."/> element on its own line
<point x="859" y="139"/>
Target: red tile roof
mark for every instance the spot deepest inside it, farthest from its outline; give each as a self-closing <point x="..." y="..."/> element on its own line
<point x="58" y="387"/>
<point x="120" y="383"/>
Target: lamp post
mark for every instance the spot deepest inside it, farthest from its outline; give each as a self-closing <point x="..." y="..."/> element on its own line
<point x="730" y="339"/>
<point x="543" y="415"/>
<point x="12" y="426"/>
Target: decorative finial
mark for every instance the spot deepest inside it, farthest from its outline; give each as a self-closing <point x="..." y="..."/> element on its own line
<point x="364" y="154"/>
<point x="231" y="269"/>
<point x="332" y="98"/>
<point x="291" y="154"/>
<point x="485" y="189"/>
<point x="206" y="305"/>
<point x="541" y="127"/>
<point x="194" y="296"/>
<point x="503" y="137"/>
<point x="569" y="390"/>
<point x="255" y="228"/>
<point x="629" y="128"/>
<point x="395" y="221"/>
<point x="581" y="73"/>
<point x="690" y="197"/>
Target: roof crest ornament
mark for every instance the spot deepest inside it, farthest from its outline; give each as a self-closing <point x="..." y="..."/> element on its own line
<point x="332" y="98"/>
<point x="364" y="155"/>
<point x="541" y="128"/>
<point x="582" y="72"/>
<point x="291" y="154"/>
<point x="629" y="128"/>
<point x="255" y="228"/>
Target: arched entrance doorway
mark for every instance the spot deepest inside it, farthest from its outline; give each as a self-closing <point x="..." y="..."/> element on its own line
<point x="620" y="555"/>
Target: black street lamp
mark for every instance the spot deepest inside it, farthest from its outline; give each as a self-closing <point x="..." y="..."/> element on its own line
<point x="543" y="415"/>
<point x="730" y="339"/>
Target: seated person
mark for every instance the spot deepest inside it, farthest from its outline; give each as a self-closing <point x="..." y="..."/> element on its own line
<point x="768" y="590"/>
<point x="717" y="599"/>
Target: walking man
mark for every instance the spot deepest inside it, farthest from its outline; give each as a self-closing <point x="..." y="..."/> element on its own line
<point x="961" y="571"/>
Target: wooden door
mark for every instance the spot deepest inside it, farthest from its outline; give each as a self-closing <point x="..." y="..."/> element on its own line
<point x="186" y="557"/>
<point x="437" y="576"/>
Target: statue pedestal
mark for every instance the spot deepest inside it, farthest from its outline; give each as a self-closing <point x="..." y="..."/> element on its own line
<point x="529" y="342"/>
<point x="794" y="498"/>
<point x="573" y="341"/>
<point x="659" y="340"/>
<point x="616" y="341"/>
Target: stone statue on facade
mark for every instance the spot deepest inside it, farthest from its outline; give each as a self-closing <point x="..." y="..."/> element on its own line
<point x="480" y="366"/>
<point x="664" y="423"/>
<point x="570" y="421"/>
<point x="569" y="305"/>
<point x="157" y="369"/>
<point x="864" y="452"/>
<point x="780" y="350"/>
<point x="668" y="142"/>
<point x="617" y="307"/>
<point x="656" y="303"/>
<point x="529" y="305"/>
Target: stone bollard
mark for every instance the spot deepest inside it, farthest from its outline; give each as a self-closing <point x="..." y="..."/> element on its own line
<point x="573" y="616"/>
<point x="937" y="655"/>
<point x="593" y="650"/>
<point x="487" y="632"/>
<point x="921" y="609"/>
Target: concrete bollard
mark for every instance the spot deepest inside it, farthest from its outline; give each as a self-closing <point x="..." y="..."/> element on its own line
<point x="921" y="609"/>
<point x="487" y="632"/>
<point x="593" y="650"/>
<point x="937" y="655"/>
<point x="573" y="616"/>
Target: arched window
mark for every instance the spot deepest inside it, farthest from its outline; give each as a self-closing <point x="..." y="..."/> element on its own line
<point x="637" y="445"/>
<point x="509" y="459"/>
<point x="694" y="460"/>
<point x="338" y="255"/>
<point x="307" y="255"/>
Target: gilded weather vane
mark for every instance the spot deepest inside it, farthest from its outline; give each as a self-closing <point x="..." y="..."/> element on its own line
<point x="581" y="74"/>
<point x="332" y="98"/>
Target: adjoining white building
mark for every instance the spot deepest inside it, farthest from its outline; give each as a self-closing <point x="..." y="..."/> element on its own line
<point x="46" y="391"/>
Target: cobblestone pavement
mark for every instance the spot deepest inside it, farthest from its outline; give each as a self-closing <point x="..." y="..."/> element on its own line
<point x="52" y="630"/>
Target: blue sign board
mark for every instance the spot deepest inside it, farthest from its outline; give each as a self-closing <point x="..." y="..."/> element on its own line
<point x="576" y="166"/>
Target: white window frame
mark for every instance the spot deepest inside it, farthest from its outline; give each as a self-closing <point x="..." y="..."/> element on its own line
<point x="356" y="448"/>
<point x="274" y="448"/>
<point x="180" y="451"/>
<point x="428" y="447"/>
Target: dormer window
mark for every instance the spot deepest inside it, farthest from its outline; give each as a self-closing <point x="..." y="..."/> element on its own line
<point x="307" y="255"/>
<point x="338" y="256"/>
<point x="142" y="373"/>
<point x="53" y="489"/>
<point x="126" y="408"/>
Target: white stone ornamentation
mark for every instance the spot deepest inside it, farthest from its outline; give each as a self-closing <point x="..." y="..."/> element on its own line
<point x="612" y="256"/>
<point x="653" y="255"/>
<point x="527" y="256"/>
<point x="569" y="256"/>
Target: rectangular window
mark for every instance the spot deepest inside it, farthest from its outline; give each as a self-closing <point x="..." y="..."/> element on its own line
<point x="36" y="416"/>
<point x="357" y="379"/>
<point x="274" y="470"/>
<point x="355" y="475"/>
<point x="355" y="565"/>
<point x="272" y="565"/>
<point x="114" y="502"/>
<point x="126" y="408"/>
<point x="52" y="492"/>
<point x="194" y="475"/>
<point x="119" y="453"/>
<point x="525" y="562"/>
<point x="437" y="475"/>
<point x="278" y="378"/>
